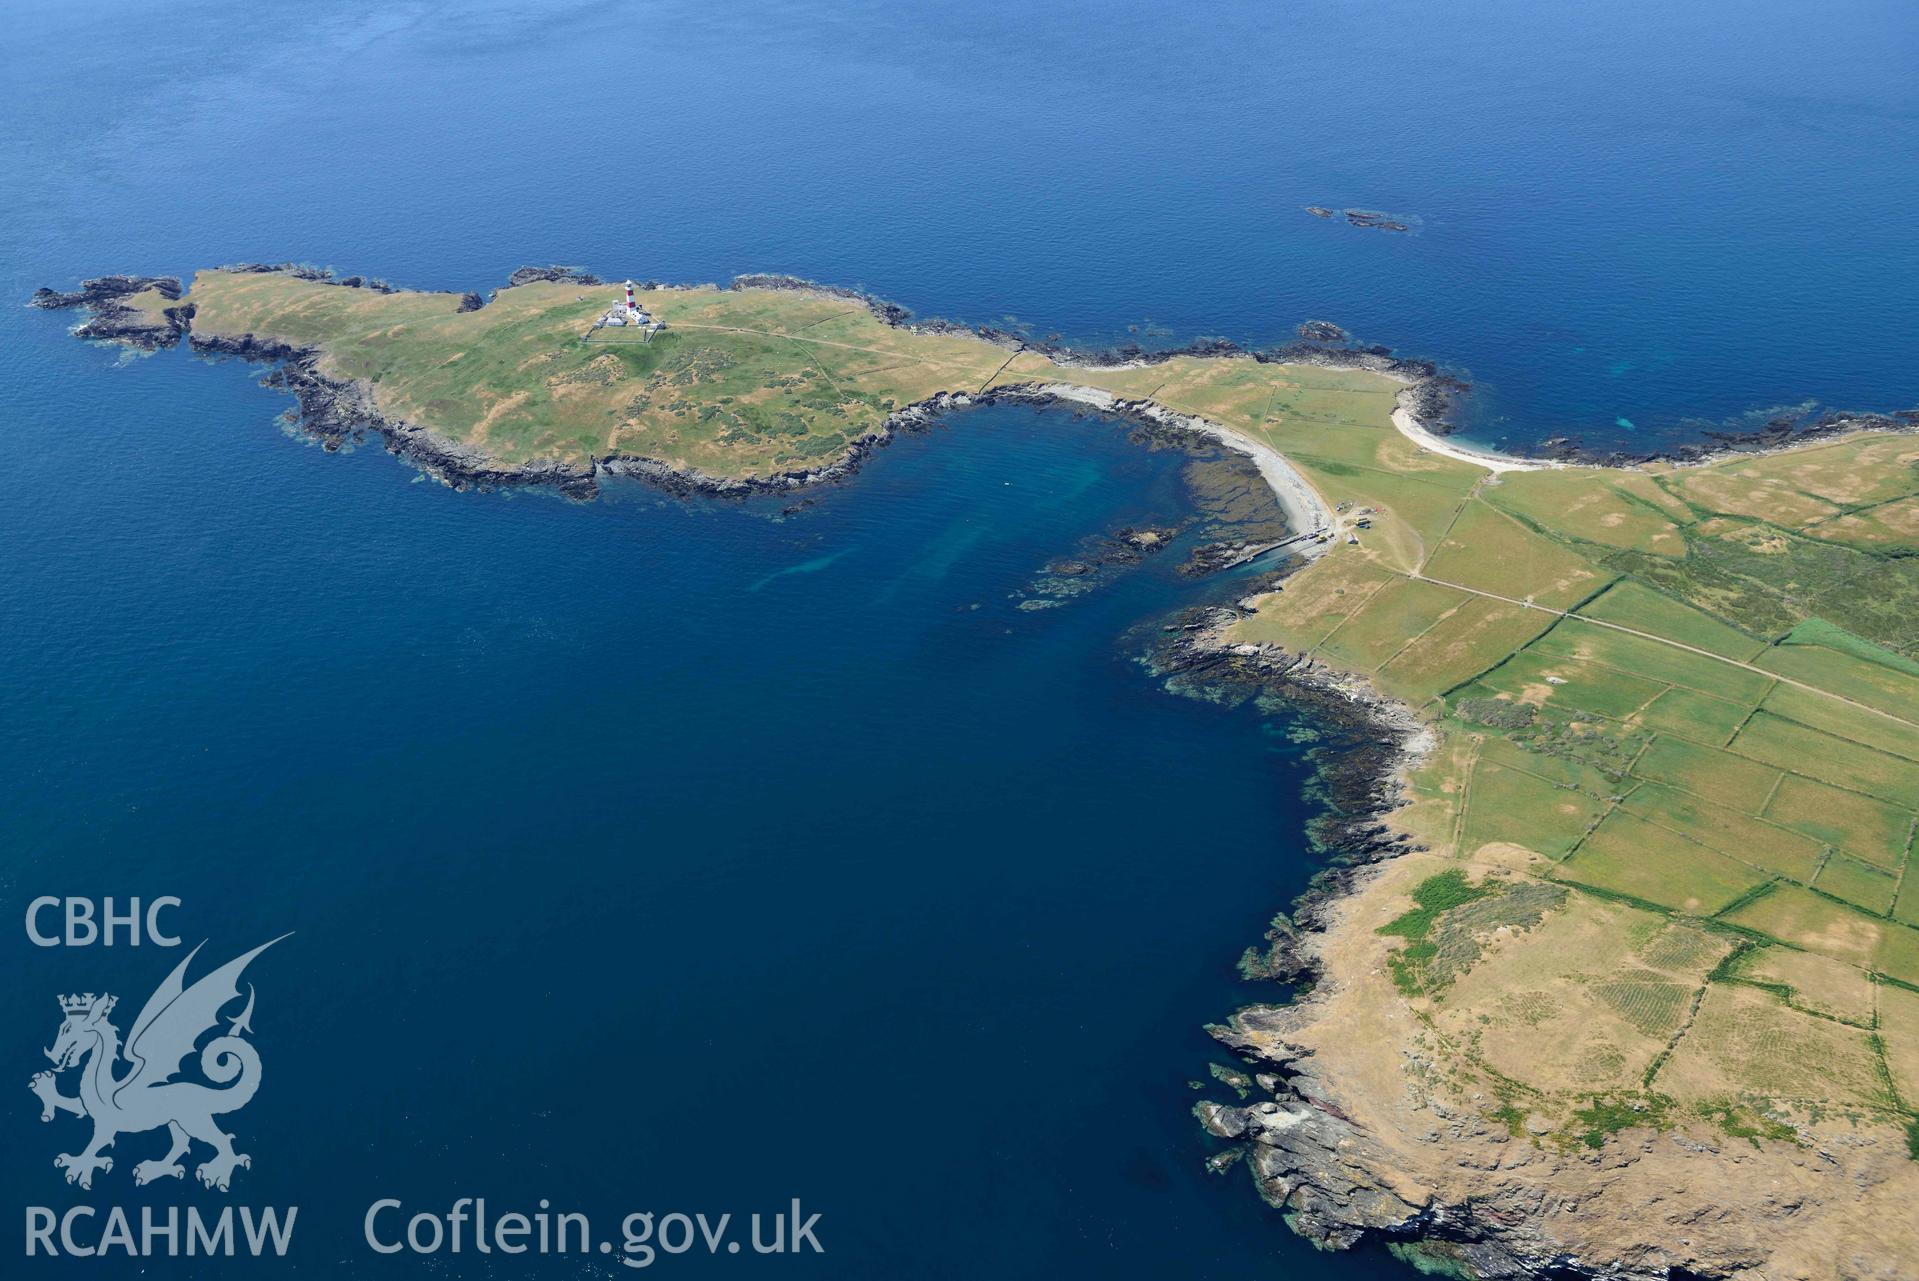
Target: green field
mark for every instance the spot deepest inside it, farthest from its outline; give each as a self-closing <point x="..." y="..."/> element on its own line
<point x="1811" y="708"/>
<point x="1560" y="769"/>
<point x="1454" y="649"/>
<point x="1393" y="618"/>
<point x="1634" y="605"/>
<point x="1624" y="511"/>
<point x="1656" y="659"/>
<point x="1550" y="679"/>
<point x="1839" y="761"/>
<point x="1764" y="845"/>
<point x="1491" y="552"/>
<point x="1699" y="717"/>
<point x="1705" y="771"/>
<point x="1523" y="808"/>
<point x="1868" y="829"/>
<point x="1878" y="685"/>
<point x="1652" y="864"/>
<point x="1858" y="883"/>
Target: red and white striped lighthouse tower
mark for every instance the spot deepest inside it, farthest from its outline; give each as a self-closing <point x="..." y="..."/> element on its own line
<point x="630" y="304"/>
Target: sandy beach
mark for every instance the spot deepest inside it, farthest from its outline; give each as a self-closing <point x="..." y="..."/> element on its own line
<point x="1307" y="512"/>
<point x="1412" y="429"/>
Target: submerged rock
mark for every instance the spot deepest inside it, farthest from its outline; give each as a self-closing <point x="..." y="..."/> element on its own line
<point x="1323" y="331"/>
<point x="1371" y="218"/>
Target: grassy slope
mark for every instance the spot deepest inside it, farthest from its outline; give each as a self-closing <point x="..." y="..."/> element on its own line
<point x="742" y="383"/>
<point x="1635" y="622"/>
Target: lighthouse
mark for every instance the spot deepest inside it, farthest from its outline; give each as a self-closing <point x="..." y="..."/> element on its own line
<point x="629" y="313"/>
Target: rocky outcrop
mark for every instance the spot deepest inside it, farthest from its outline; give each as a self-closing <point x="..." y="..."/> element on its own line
<point x="1367" y="743"/>
<point x="111" y="319"/>
<point x="1322" y="331"/>
<point x="1347" y="1160"/>
<point x="105" y="289"/>
<point x="534" y="275"/>
<point x="1331" y="1176"/>
<point x="1376" y="220"/>
<point x="1097" y="559"/>
<point x="318" y="275"/>
<point x="1370" y="218"/>
<point x="1214" y="558"/>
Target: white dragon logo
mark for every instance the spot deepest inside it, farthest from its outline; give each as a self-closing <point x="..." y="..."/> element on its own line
<point x="174" y="1018"/>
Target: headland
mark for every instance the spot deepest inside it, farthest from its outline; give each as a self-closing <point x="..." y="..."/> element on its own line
<point x="1617" y="969"/>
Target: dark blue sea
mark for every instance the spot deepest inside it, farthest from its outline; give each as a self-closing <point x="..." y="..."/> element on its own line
<point x="649" y="855"/>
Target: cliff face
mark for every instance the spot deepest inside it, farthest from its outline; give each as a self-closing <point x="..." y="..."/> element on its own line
<point x="1363" y="1132"/>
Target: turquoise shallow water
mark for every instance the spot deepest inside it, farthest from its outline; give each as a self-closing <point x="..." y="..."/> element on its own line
<point x="649" y="855"/>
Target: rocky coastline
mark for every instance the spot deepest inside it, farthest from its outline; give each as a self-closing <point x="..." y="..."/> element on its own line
<point x="1369" y="742"/>
<point x="1307" y="1158"/>
<point x="1449" y="1190"/>
<point x="110" y="319"/>
<point x="1781" y="431"/>
<point x="337" y="413"/>
<point x="1337" y="1181"/>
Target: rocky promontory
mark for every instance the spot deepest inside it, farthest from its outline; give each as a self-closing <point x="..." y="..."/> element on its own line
<point x="112" y="319"/>
<point x="336" y="412"/>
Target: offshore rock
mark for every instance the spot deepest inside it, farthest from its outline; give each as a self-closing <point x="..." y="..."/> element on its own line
<point x="1371" y="218"/>
<point x="1323" y="331"/>
<point x="533" y="275"/>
